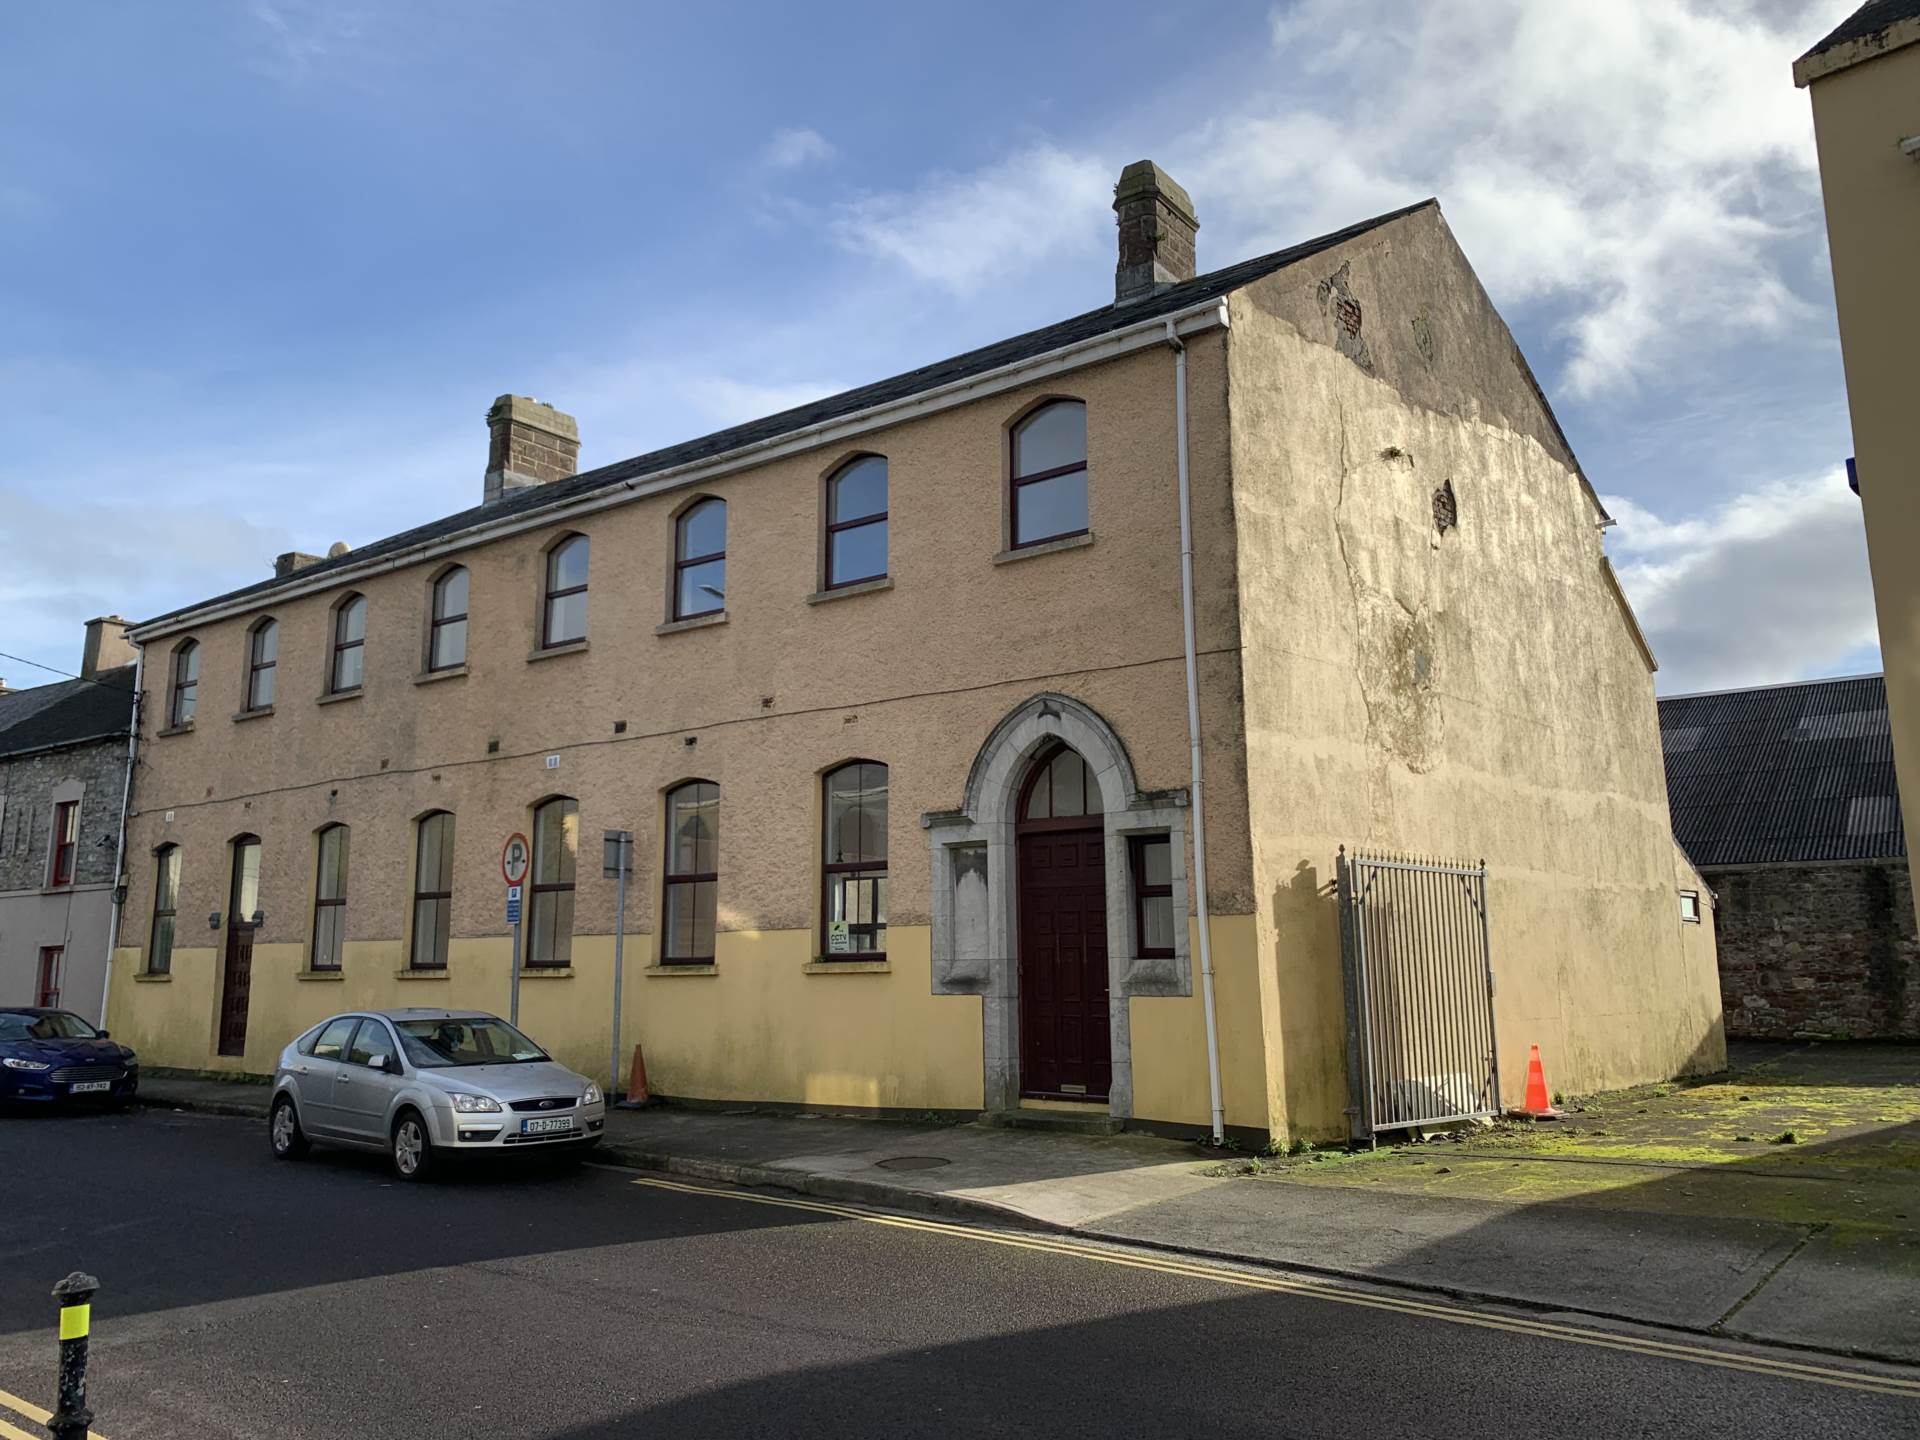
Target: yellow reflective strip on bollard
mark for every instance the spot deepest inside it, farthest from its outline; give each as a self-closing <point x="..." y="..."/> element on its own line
<point x="75" y="1320"/>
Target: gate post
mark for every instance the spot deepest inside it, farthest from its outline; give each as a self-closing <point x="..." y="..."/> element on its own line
<point x="1359" y="1128"/>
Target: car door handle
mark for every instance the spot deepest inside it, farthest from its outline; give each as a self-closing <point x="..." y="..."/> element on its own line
<point x="346" y="1079"/>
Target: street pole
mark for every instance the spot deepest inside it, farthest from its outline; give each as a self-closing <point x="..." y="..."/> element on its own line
<point x="514" y="1014"/>
<point x="617" y="852"/>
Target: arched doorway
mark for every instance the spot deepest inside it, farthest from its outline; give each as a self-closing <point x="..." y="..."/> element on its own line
<point x="1065" y="1041"/>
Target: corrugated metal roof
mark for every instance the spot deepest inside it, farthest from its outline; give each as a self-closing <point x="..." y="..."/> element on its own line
<point x="1783" y="773"/>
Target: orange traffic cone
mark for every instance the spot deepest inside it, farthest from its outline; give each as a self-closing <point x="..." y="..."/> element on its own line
<point x="1539" y="1105"/>
<point x="637" y="1081"/>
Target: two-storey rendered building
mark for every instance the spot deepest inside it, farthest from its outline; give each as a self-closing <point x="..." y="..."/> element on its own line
<point x="893" y="690"/>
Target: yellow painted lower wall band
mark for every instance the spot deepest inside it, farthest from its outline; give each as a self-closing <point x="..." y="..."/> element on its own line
<point x="75" y="1320"/>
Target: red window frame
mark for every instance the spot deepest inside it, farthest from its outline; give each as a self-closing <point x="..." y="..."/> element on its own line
<point x="53" y="960"/>
<point x="66" y="840"/>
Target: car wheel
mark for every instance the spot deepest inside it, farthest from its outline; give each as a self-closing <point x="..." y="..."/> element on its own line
<point x="412" y="1150"/>
<point x="283" y="1129"/>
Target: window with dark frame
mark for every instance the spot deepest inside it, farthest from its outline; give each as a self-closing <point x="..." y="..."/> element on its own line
<point x="1060" y="787"/>
<point x="263" y="655"/>
<point x="556" y="844"/>
<point x="1153" y="920"/>
<point x="447" y="640"/>
<point x="857" y="522"/>
<point x="1049" y="475"/>
<point x="186" y="683"/>
<point x="700" y="560"/>
<point x="854" y="863"/>
<point x="564" y="618"/>
<point x="53" y="960"/>
<point x="166" y="900"/>
<point x="432" y="891"/>
<point x="691" y="903"/>
<point x="349" y="646"/>
<point x="66" y="841"/>
<point x="330" y="900"/>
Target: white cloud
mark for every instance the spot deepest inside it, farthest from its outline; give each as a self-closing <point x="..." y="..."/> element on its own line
<point x="299" y="35"/>
<point x="1771" y="585"/>
<point x="795" y="149"/>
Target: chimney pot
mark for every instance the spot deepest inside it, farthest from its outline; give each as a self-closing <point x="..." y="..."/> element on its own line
<point x="1157" y="229"/>
<point x="107" y="647"/>
<point x="530" y="443"/>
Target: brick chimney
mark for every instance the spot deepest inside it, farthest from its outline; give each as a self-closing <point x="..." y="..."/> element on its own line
<point x="107" y="646"/>
<point x="531" y="443"/>
<point x="285" y="565"/>
<point x="1157" y="226"/>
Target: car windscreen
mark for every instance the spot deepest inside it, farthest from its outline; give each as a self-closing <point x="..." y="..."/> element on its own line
<point x="57" y="1026"/>
<point x="433" y="1043"/>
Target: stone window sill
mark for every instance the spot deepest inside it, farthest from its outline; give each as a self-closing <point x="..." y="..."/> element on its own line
<point x="334" y="697"/>
<point x="320" y="974"/>
<point x="262" y="713"/>
<point x="546" y="972"/>
<point x="1045" y="547"/>
<point x="844" y="592"/>
<point x="185" y="728"/>
<point x="692" y="622"/>
<point x="847" y="967"/>
<point x="554" y="652"/>
<point x="661" y="971"/>
<point x="424" y="972"/>
<point x="452" y="672"/>
<point x="153" y="977"/>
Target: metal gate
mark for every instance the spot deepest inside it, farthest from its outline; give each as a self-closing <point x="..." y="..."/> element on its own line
<point x="1419" y="983"/>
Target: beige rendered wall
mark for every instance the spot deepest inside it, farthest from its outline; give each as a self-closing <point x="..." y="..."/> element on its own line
<point x="1474" y="693"/>
<point x="1860" y="115"/>
<point x="915" y="676"/>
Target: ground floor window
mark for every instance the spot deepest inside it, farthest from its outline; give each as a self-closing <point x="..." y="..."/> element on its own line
<point x="693" y="874"/>
<point x="1153" y="918"/>
<point x="53" y="960"/>
<point x="166" y="897"/>
<point x="556" y="846"/>
<point x="855" y="868"/>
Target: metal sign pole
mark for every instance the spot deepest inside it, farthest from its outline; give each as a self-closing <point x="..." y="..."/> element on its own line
<point x="514" y="1015"/>
<point x="616" y="858"/>
<point x="514" y="856"/>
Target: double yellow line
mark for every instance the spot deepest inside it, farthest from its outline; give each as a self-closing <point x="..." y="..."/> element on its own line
<point x="1693" y="1354"/>
<point x="27" y="1410"/>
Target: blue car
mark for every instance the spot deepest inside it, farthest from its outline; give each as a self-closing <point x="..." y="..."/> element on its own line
<point x="48" y="1056"/>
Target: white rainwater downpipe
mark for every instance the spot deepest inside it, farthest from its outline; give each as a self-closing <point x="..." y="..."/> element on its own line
<point x="1203" y="911"/>
<point x="120" y="841"/>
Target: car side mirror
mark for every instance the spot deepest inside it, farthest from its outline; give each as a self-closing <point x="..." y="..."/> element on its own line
<point x="390" y="1064"/>
<point x="106" y="1035"/>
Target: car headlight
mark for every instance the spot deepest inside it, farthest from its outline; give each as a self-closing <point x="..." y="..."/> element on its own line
<point x="475" y="1104"/>
<point x="592" y="1097"/>
<point x="13" y="1064"/>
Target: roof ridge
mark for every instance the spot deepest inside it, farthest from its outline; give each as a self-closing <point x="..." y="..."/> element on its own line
<point x="1774" y="685"/>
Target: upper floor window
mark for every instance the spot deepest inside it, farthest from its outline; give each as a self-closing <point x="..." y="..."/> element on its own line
<point x="700" y="560"/>
<point x="330" y="900"/>
<point x="432" y="891"/>
<point x="349" y="645"/>
<point x="447" y="642"/>
<point x="556" y="844"/>
<point x="1050" y="474"/>
<point x="186" y="683"/>
<point x="263" y="655"/>
<point x="857" y="522"/>
<point x="66" y="842"/>
<point x="565" y="617"/>
<point x="1690" y="906"/>
<point x="854" y="868"/>
<point x="693" y="874"/>
<point x="166" y="901"/>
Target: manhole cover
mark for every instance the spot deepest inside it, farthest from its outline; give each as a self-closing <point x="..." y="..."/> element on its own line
<point x="912" y="1162"/>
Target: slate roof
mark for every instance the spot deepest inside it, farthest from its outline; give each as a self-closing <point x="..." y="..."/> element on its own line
<point x="1089" y="326"/>
<point x="66" y="712"/>
<point x="1870" y="19"/>
<point x="1783" y="773"/>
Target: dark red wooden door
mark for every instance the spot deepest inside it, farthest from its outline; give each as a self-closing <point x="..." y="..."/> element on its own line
<point x="1065" y="1046"/>
<point x="236" y="982"/>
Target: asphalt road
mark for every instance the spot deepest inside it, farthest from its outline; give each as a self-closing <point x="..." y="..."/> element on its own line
<point x="244" y="1297"/>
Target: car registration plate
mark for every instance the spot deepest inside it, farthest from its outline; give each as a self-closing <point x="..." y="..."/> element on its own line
<point x="90" y="1087"/>
<point x="546" y="1125"/>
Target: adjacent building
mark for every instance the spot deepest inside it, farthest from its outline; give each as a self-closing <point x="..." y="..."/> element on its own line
<point x="63" y="784"/>
<point x="893" y="690"/>
<point x="1864" y="80"/>
<point x="1785" y="798"/>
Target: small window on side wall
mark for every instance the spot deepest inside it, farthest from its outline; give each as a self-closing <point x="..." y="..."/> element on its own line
<point x="857" y="522"/>
<point x="700" y="560"/>
<point x="1690" y="906"/>
<point x="186" y="684"/>
<point x="263" y="657"/>
<point x="564" y="618"/>
<point x="447" y="640"/>
<point x="349" y="646"/>
<point x="1049" y="500"/>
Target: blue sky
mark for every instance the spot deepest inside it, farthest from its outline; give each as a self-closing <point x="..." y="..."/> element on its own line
<point x="263" y="265"/>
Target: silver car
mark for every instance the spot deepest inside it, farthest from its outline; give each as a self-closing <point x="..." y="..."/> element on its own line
<point x="419" y="1084"/>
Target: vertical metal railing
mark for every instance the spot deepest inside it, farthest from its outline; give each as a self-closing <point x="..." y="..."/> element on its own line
<point x="1416" y="959"/>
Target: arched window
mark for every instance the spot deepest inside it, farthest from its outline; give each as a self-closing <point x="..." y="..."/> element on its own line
<point x="700" y="560"/>
<point x="1050" y="474"/>
<point x="263" y="654"/>
<point x="556" y="844"/>
<point x="1060" y="787"/>
<point x="186" y="683"/>
<point x="854" y="862"/>
<point x="692" y="874"/>
<point x="857" y="522"/>
<point x="432" y="891"/>
<point x="349" y="645"/>
<point x="447" y="637"/>
<point x="166" y="901"/>
<point x="330" y="900"/>
<point x="565" y="616"/>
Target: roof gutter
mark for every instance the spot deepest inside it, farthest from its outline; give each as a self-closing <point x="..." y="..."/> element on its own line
<point x="1145" y="334"/>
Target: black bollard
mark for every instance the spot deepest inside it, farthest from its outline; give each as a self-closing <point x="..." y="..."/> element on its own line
<point x="72" y="1418"/>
